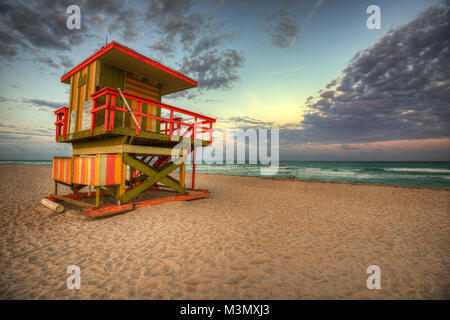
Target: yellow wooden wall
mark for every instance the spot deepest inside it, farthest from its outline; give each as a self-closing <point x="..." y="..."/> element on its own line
<point x="93" y="77"/>
<point x="82" y="85"/>
<point x="145" y="88"/>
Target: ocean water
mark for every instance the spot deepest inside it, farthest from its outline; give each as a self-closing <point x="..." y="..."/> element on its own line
<point x="414" y="174"/>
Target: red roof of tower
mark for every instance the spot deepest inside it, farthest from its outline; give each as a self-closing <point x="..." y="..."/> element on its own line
<point x="127" y="59"/>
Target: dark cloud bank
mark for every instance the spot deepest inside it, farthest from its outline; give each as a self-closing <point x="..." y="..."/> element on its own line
<point x="37" y="27"/>
<point x="168" y="26"/>
<point x="206" y="59"/>
<point x="397" y="89"/>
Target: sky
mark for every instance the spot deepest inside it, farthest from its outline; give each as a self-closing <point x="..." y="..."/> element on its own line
<point x="335" y="89"/>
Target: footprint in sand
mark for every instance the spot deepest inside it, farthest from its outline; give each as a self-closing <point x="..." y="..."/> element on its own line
<point x="260" y="260"/>
<point x="239" y="266"/>
<point x="172" y="253"/>
<point x="172" y="265"/>
<point x="194" y="281"/>
<point x="236" y="279"/>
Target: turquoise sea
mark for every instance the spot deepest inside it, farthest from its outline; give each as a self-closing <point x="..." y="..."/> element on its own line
<point x="418" y="174"/>
<point x="415" y="174"/>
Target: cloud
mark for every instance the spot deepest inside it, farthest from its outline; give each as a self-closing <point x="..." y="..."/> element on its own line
<point x="4" y="99"/>
<point x="126" y="24"/>
<point x="177" y="23"/>
<point x="313" y="11"/>
<point x="159" y="8"/>
<point x="173" y="20"/>
<point x="46" y="60"/>
<point x="5" y="135"/>
<point x="34" y="142"/>
<point x="397" y="89"/>
<point x="216" y="5"/>
<point x="39" y="27"/>
<point x="181" y="26"/>
<point x="9" y="45"/>
<point x="165" y="46"/>
<point x="247" y="121"/>
<point x="40" y="24"/>
<point x="66" y="61"/>
<point x="209" y="42"/>
<point x="283" y="29"/>
<point x="26" y="141"/>
<point x="44" y="103"/>
<point x="214" y="69"/>
<point x="400" y="150"/>
<point x="348" y="148"/>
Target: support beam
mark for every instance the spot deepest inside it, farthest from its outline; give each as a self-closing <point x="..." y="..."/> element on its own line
<point x="174" y="184"/>
<point x="154" y="175"/>
<point x="70" y="185"/>
<point x="110" y="190"/>
<point x="77" y="187"/>
<point x="72" y="201"/>
<point x="130" y="177"/>
<point x="119" y="148"/>
<point x="108" y="142"/>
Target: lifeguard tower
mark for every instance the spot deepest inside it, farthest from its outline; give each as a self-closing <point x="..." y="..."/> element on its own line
<point x="125" y="140"/>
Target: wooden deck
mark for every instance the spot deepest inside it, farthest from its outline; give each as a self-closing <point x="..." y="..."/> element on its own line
<point x="85" y="139"/>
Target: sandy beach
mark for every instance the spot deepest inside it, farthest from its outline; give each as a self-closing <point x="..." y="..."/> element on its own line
<point x="253" y="238"/>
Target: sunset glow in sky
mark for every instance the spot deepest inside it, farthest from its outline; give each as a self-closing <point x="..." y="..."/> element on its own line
<point x="334" y="88"/>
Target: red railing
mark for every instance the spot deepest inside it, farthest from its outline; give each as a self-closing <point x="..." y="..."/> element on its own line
<point x="174" y="124"/>
<point x="61" y="122"/>
<point x="200" y="123"/>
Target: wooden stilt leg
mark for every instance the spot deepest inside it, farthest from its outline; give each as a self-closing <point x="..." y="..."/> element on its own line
<point x="97" y="196"/>
<point x="118" y="195"/>
<point x="55" y="190"/>
<point x="182" y="175"/>
<point x="194" y="157"/>
<point x="122" y="186"/>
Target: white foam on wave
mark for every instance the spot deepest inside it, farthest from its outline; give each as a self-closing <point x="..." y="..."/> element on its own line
<point x="311" y="172"/>
<point x="36" y="163"/>
<point x="420" y="170"/>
